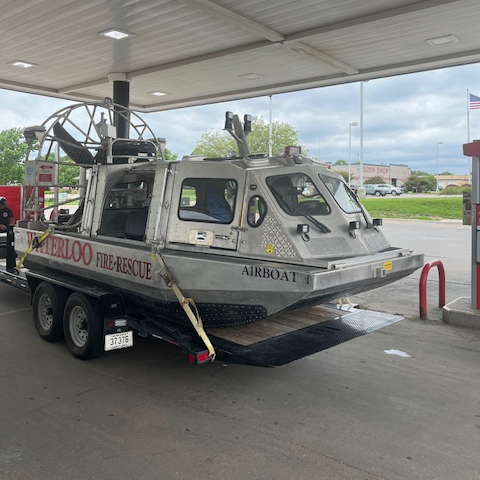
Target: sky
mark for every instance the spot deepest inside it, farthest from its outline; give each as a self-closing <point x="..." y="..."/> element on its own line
<point x="404" y="117"/>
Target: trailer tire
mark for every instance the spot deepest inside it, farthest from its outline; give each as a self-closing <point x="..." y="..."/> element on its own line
<point x="83" y="326"/>
<point x="48" y="305"/>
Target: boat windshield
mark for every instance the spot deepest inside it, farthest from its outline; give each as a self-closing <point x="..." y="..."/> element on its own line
<point x="341" y="193"/>
<point x="297" y="195"/>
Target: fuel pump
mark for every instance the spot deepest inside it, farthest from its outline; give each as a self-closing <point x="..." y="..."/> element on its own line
<point x="473" y="150"/>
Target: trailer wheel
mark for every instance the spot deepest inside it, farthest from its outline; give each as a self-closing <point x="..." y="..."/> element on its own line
<point x="83" y="326"/>
<point x="48" y="305"/>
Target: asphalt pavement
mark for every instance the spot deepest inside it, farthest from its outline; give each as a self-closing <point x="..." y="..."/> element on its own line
<point x="446" y="241"/>
<point x="401" y="403"/>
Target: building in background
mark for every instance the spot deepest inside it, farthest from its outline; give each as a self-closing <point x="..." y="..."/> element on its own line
<point x="457" y="180"/>
<point x="392" y="174"/>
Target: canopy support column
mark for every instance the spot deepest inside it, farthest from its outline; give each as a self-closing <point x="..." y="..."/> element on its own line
<point x="121" y="99"/>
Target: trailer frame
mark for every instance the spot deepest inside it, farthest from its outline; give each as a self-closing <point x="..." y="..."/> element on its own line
<point x="270" y="342"/>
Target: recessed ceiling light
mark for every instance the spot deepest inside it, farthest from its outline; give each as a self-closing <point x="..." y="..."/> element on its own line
<point x="159" y="94"/>
<point x="116" y="34"/>
<point x="445" y="40"/>
<point x="251" y="76"/>
<point x="22" y="64"/>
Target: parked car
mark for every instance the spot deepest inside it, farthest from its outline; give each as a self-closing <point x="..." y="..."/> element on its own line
<point x="382" y="189"/>
<point x="391" y="189"/>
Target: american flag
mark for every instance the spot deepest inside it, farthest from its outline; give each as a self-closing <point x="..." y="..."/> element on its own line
<point x="474" y="102"/>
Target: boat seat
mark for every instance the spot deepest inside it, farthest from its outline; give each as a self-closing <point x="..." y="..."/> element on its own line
<point x="75" y="150"/>
<point x="113" y="223"/>
<point x="136" y="224"/>
<point x="123" y="150"/>
<point x="217" y="205"/>
<point x="117" y="222"/>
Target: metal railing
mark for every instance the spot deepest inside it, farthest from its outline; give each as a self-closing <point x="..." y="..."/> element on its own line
<point x="423" y="286"/>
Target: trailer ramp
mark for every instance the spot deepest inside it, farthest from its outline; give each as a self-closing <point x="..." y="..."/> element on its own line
<point x="289" y="336"/>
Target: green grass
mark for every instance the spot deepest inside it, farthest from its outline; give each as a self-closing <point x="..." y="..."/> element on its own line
<point x="48" y="198"/>
<point x="434" y="208"/>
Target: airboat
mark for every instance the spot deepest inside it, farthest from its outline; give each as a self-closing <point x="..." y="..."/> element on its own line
<point x="238" y="238"/>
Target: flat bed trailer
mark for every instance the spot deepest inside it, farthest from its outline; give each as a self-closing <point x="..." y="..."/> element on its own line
<point x="230" y="258"/>
<point x="271" y="342"/>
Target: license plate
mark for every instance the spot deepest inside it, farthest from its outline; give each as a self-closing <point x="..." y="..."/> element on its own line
<point x="115" y="341"/>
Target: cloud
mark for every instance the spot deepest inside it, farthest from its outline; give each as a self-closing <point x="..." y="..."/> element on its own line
<point x="404" y="118"/>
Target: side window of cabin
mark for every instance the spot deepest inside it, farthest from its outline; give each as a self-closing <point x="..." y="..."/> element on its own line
<point x="342" y="194"/>
<point x="257" y="210"/>
<point x="208" y="200"/>
<point x="126" y="207"/>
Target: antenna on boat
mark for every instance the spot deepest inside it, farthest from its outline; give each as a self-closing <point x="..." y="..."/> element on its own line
<point x="238" y="131"/>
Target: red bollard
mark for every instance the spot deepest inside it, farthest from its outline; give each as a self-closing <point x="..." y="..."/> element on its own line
<point x="423" y="286"/>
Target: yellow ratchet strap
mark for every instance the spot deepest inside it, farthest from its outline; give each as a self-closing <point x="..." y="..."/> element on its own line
<point x="340" y="303"/>
<point x="186" y="303"/>
<point x="36" y="241"/>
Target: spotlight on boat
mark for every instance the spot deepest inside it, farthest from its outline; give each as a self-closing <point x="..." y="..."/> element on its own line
<point x="228" y="120"/>
<point x="34" y="134"/>
<point x="303" y="228"/>
<point x="247" y="123"/>
<point x="291" y="151"/>
<point x="352" y="226"/>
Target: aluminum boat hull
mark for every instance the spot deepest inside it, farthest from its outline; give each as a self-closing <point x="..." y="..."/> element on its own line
<point x="226" y="290"/>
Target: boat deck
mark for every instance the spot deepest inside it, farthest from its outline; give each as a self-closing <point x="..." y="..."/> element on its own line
<point x="289" y="336"/>
<point x="279" y="324"/>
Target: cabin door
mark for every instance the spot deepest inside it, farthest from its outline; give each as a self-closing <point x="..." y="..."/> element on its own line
<point x="204" y="212"/>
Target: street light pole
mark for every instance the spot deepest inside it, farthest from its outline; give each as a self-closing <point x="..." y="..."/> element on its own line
<point x="361" y="134"/>
<point x="352" y="124"/>
<point x="361" y="188"/>
<point x="438" y="143"/>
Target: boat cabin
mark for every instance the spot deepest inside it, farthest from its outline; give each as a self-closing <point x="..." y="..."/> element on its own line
<point x="288" y="209"/>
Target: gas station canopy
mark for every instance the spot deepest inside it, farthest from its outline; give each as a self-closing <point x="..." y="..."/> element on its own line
<point x="178" y="53"/>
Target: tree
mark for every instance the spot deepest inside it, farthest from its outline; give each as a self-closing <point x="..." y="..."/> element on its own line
<point x="446" y="173"/>
<point x="375" y="180"/>
<point x="420" y="182"/>
<point x="12" y="155"/>
<point x="68" y="175"/>
<point x="169" y="155"/>
<point x="344" y="175"/>
<point x="340" y="162"/>
<point x="221" y="144"/>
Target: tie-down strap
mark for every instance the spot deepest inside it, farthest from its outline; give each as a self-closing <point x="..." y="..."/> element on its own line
<point x="34" y="243"/>
<point x="186" y="304"/>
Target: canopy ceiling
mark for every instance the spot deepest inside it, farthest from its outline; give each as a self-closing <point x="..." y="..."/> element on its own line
<point x="205" y="51"/>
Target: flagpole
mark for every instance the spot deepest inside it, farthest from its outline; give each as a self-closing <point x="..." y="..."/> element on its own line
<point x="361" y="134"/>
<point x="468" y="116"/>
<point x="270" y="139"/>
<point x="468" y="137"/>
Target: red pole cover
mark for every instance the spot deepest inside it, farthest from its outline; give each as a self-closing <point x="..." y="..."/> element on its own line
<point x="472" y="149"/>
